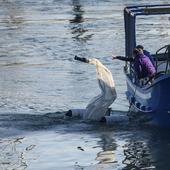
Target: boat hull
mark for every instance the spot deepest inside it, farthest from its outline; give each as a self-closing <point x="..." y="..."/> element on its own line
<point x="151" y="101"/>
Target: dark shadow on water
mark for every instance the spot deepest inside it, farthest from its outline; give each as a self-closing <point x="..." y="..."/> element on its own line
<point x="31" y="122"/>
<point x="35" y="122"/>
<point x="77" y="24"/>
<point x="77" y="12"/>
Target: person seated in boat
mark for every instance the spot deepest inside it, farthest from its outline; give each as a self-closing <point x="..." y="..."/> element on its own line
<point x="141" y="63"/>
<point x="147" y="53"/>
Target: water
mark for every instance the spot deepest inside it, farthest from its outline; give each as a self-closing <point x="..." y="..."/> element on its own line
<point x="40" y="81"/>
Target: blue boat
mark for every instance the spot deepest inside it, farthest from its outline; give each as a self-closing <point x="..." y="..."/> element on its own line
<point x="149" y="99"/>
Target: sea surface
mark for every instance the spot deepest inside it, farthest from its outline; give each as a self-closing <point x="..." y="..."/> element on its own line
<point x="40" y="81"/>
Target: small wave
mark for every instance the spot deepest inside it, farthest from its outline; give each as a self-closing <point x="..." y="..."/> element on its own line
<point x="13" y="64"/>
<point x="35" y="121"/>
<point x="58" y="122"/>
<point x="30" y="121"/>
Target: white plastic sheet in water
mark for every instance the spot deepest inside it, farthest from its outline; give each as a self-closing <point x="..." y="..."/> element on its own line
<point x="98" y="106"/>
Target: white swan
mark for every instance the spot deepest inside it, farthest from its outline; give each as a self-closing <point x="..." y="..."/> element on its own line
<point x="99" y="105"/>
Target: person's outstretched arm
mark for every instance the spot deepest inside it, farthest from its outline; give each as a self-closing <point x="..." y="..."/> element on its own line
<point x="123" y="58"/>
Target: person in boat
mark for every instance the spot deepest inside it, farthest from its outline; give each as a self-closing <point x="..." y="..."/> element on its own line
<point x="147" y="53"/>
<point x="141" y="63"/>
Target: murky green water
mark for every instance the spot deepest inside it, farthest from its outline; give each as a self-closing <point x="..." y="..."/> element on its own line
<point x="38" y="41"/>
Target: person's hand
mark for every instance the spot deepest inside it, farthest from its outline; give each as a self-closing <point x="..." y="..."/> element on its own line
<point x="114" y="57"/>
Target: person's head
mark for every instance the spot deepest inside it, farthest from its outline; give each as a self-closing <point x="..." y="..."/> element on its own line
<point x="140" y="47"/>
<point x="137" y="51"/>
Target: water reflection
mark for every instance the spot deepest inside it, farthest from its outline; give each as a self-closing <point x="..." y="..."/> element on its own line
<point x="133" y="154"/>
<point x="137" y="156"/>
<point x="108" y="147"/>
<point x="13" y="14"/>
<point x="77" y="12"/>
<point x="159" y="147"/>
<point x="148" y="149"/>
<point x="77" y="23"/>
<point x="11" y="158"/>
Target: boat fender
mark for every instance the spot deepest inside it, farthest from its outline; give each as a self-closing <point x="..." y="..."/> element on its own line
<point x="111" y="120"/>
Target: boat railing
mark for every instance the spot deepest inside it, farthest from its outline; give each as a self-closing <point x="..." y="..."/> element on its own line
<point x="130" y="72"/>
<point x="162" y="59"/>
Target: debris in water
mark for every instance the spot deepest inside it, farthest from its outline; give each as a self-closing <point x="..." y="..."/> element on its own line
<point x="30" y="147"/>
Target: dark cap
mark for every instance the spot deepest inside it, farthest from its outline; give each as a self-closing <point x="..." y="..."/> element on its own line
<point x="139" y="47"/>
